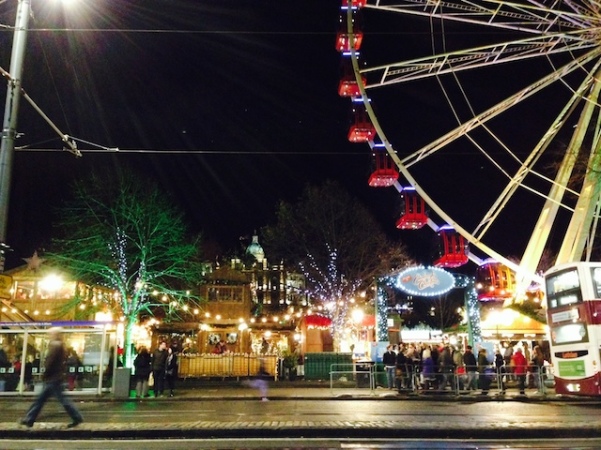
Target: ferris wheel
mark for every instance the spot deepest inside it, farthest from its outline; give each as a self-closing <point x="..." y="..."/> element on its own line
<point x="489" y="111"/>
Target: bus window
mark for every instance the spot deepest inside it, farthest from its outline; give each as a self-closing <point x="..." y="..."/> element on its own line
<point x="597" y="281"/>
<point x="569" y="333"/>
<point x="563" y="289"/>
<point x="562" y="282"/>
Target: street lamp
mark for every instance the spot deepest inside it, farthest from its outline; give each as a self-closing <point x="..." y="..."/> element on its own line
<point x="11" y="109"/>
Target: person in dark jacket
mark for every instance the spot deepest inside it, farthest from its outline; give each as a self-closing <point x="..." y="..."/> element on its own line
<point x="471" y="366"/>
<point x="483" y="369"/>
<point x="171" y="370"/>
<point x="401" y="368"/>
<point x="53" y="383"/>
<point x="500" y="370"/>
<point x="159" y="361"/>
<point x="446" y="368"/>
<point x="143" y="367"/>
<point x="389" y="361"/>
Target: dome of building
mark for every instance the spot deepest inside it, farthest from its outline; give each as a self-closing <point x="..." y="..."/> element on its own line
<point x="255" y="249"/>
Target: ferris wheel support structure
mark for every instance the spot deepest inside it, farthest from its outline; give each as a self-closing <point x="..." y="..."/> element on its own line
<point x="581" y="225"/>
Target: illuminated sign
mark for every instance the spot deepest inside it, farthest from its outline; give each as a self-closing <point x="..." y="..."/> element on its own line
<point x="425" y="281"/>
<point x="571" y="354"/>
<point x="562" y="316"/>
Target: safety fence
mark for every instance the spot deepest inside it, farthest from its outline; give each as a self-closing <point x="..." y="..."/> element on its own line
<point x="455" y="380"/>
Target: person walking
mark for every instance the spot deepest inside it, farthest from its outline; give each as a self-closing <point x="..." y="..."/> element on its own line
<point x="159" y="361"/>
<point x="143" y="367"/>
<point x="171" y="370"/>
<point x="54" y="366"/>
<point x="259" y="382"/>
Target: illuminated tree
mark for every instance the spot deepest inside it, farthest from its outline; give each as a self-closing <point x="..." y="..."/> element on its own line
<point x="124" y="234"/>
<point x="336" y="243"/>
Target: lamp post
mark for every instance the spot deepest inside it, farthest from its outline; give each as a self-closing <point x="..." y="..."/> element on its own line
<point x="11" y="109"/>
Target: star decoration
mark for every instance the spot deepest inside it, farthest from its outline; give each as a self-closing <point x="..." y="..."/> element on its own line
<point x="34" y="262"/>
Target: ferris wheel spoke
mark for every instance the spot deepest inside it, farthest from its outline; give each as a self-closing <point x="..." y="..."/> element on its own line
<point x="526" y="168"/>
<point x="494" y="111"/>
<point x="486" y="56"/>
<point x="523" y="17"/>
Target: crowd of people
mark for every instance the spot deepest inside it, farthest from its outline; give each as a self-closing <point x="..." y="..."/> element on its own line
<point x="157" y="370"/>
<point x="441" y="367"/>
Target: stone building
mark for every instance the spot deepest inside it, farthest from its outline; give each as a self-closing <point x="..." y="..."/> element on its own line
<point x="251" y="307"/>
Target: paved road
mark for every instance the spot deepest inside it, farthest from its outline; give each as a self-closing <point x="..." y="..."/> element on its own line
<point x="298" y="444"/>
<point x="237" y="413"/>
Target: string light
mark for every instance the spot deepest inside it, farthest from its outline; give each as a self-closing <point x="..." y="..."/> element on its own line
<point x="381" y="309"/>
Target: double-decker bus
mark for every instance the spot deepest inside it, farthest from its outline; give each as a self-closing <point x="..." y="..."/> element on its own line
<point x="574" y="318"/>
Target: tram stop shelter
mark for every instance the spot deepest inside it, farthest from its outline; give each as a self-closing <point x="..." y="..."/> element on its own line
<point x="90" y="369"/>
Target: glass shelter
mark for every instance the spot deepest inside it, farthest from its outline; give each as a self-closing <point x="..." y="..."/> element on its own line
<point x="91" y="349"/>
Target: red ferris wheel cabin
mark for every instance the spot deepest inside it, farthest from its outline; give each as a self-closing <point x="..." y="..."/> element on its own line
<point x="452" y="248"/>
<point x="385" y="173"/>
<point x="414" y="214"/>
<point x="362" y="130"/>
<point x="354" y="3"/>
<point x="347" y="40"/>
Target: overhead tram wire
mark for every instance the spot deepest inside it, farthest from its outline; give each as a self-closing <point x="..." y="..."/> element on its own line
<point x="112" y="150"/>
<point x="4" y="27"/>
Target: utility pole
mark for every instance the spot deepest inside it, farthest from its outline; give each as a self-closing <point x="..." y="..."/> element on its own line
<point x="9" y="126"/>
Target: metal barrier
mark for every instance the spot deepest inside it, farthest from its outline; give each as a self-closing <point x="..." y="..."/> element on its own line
<point x="457" y="381"/>
<point x="345" y="376"/>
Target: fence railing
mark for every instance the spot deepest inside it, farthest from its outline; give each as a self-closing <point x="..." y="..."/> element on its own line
<point x="455" y="380"/>
<point x="226" y="365"/>
<point x="352" y="375"/>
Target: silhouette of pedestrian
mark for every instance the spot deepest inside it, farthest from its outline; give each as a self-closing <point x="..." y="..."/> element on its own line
<point x="53" y="382"/>
<point x="260" y="381"/>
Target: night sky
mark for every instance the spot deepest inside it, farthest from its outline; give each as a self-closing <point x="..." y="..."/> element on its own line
<point x="229" y="106"/>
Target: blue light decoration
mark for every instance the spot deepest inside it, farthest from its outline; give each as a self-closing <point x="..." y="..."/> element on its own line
<point x="425" y="281"/>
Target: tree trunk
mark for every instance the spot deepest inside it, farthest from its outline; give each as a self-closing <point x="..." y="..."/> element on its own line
<point x="127" y="341"/>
